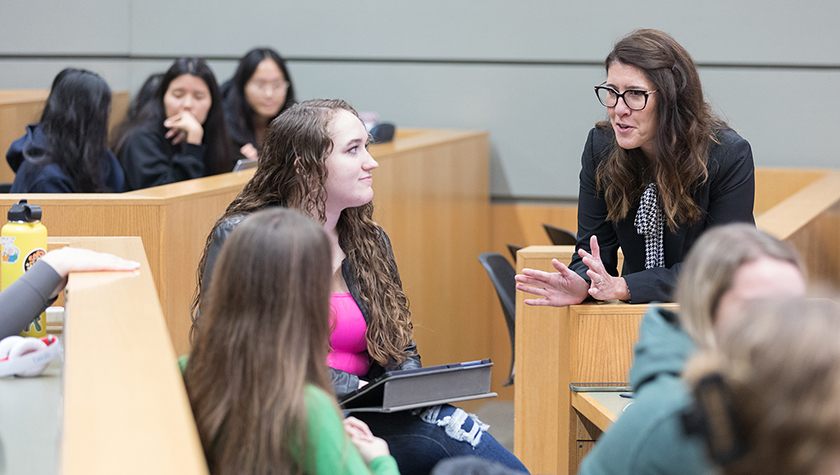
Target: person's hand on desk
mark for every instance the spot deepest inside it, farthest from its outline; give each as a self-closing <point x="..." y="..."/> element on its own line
<point x="603" y="286"/>
<point x="70" y="259"/>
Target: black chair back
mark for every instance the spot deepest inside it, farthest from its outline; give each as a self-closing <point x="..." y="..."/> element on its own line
<point x="512" y="249"/>
<point x="502" y="275"/>
<point x="560" y="236"/>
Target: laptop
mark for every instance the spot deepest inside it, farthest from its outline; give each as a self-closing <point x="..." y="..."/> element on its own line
<point x="244" y="164"/>
<point x="408" y="389"/>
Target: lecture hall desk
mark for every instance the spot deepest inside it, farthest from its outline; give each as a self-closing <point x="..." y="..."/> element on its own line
<point x="431" y="196"/>
<point x="117" y="404"/>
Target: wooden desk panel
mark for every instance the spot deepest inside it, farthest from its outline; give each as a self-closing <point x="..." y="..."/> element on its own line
<point x="125" y="406"/>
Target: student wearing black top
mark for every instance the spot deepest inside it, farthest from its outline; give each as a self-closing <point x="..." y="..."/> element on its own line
<point x="258" y="92"/>
<point x="66" y="152"/>
<point x="180" y="133"/>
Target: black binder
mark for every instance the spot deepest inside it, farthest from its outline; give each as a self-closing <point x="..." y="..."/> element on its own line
<point x="422" y="387"/>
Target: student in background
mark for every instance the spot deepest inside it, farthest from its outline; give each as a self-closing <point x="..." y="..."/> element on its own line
<point x="180" y="133"/>
<point x="767" y="399"/>
<point x="257" y="93"/>
<point x="256" y="378"/>
<point x="67" y="151"/>
<point x="144" y="95"/>
<point x="728" y="267"/>
<point x="315" y="160"/>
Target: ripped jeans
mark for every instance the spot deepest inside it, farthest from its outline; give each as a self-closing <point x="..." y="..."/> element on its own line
<point x="419" y="439"/>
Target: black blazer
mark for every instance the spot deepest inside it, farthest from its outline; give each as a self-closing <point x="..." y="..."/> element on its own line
<point x="727" y="196"/>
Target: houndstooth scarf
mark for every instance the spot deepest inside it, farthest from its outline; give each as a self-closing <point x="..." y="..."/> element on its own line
<point x="650" y="223"/>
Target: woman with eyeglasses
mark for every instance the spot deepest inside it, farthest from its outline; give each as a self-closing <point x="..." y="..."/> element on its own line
<point x="257" y="93"/>
<point x="654" y="177"/>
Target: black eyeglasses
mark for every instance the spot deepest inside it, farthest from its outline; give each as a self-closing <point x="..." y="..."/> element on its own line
<point x="635" y="99"/>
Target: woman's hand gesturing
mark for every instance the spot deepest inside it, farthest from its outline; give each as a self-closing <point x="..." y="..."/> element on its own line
<point x="603" y="285"/>
<point x="560" y="288"/>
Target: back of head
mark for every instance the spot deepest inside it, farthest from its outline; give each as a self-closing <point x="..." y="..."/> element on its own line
<point x="239" y="113"/>
<point x="75" y="124"/>
<point x="264" y="336"/>
<point x="218" y="156"/>
<point x="772" y="389"/>
<point x="710" y="266"/>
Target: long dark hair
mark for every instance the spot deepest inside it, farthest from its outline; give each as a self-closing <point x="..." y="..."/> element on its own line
<point x="264" y="337"/>
<point x="292" y="172"/>
<point x="145" y="94"/>
<point x="75" y="125"/>
<point x="686" y="127"/>
<point x="238" y="113"/>
<point x="218" y="156"/>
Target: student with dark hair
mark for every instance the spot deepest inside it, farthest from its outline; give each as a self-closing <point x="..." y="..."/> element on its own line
<point x="144" y="95"/>
<point x="258" y="92"/>
<point x="67" y="151"/>
<point x="256" y="378"/>
<point x="180" y="133"/>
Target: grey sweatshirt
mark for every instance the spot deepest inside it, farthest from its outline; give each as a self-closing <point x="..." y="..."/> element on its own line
<point x="26" y="298"/>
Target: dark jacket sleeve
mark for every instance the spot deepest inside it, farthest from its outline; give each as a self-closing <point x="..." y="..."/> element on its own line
<point x="220" y="235"/>
<point x="148" y="161"/>
<point x="27" y="297"/>
<point x="592" y="211"/>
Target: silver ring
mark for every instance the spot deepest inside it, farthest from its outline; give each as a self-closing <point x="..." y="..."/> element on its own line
<point x="600" y="282"/>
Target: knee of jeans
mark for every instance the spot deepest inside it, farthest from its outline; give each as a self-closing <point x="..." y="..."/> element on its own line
<point x="457" y="423"/>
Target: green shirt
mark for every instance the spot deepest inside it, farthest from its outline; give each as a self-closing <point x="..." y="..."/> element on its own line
<point x="330" y="451"/>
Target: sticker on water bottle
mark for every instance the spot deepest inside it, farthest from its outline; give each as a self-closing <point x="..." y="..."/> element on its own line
<point x="11" y="254"/>
<point x="32" y="257"/>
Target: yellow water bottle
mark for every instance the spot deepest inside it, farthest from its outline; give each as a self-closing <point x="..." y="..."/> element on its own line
<point x="24" y="241"/>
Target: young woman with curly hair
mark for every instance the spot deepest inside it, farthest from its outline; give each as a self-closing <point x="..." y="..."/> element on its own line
<point x="315" y="160"/>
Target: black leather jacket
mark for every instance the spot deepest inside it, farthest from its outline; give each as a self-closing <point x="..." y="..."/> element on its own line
<point x="343" y="382"/>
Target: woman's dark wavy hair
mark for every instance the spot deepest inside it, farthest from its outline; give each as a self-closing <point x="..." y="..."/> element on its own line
<point x="145" y="94"/>
<point x="685" y="128"/>
<point x="292" y="172"/>
<point x="238" y="113"/>
<point x="75" y="125"/>
<point x="218" y="156"/>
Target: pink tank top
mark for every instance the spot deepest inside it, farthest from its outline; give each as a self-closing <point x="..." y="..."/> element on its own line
<point x="349" y="346"/>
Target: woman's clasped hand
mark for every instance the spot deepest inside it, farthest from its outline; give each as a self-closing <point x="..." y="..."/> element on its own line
<point x="566" y="287"/>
